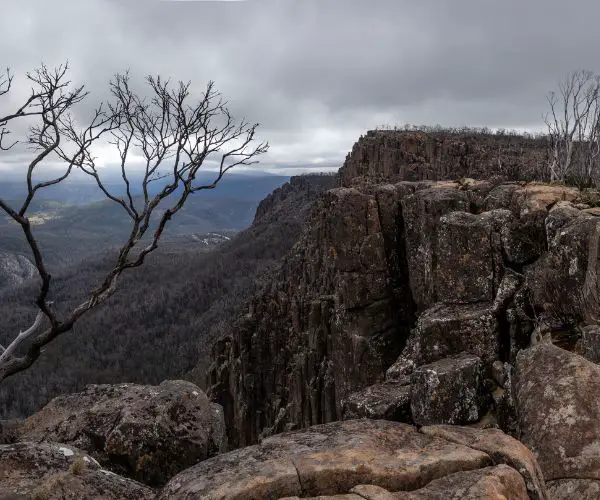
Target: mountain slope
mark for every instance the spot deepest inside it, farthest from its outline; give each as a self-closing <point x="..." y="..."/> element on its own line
<point x="161" y="321"/>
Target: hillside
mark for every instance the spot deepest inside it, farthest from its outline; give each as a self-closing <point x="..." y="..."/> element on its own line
<point x="71" y="227"/>
<point x="161" y="321"/>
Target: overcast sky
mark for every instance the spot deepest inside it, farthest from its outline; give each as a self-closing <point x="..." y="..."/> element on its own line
<point x="318" y="73"/>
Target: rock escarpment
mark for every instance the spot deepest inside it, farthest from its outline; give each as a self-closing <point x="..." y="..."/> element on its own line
<point x="390" y="278"/>
<point x="403" y="155"/>
<point x="293" y="200"/>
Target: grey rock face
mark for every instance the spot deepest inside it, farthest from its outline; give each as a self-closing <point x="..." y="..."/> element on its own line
<point x="146" y="432"/>
<point x="388" y="401"/>
<point x="558" y="411"/>
<point x="58" y="471"/>
<point x="422" y="212"/>
<point x="445" y="330"/>
<point x="448" y="391"/>
<point x="327" y="325"/>
<point x="392" y="272"/>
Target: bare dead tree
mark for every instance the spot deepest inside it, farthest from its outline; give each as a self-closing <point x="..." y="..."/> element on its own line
<point x="173" y="133"/>
<point x="573" y="126"/>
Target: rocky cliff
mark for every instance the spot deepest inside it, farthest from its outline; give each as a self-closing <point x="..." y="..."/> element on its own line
<point x="393" y="279"/>
<point x="429" y="154"/>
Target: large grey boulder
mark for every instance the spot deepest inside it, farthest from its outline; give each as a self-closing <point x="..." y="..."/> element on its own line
<point x="53" y="471"/>
<point x="469" y="256"/>
<point x="421" y="212"/>
<point x="388" y="400"/>
<point x="447" y="330"/>
<point x="556" y="395"/>
<point x="449" y="391"/>
<point x="146" y="432"/>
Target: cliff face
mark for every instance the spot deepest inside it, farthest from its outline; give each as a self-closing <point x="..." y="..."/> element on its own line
<point x="293" y="200"/>
<point x="393" y="156"/>
<point x="392" y="276"/>
<point x="327" y="323"/>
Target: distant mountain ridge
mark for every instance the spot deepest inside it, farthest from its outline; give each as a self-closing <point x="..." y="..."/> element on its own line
<point x="68" y="230"/>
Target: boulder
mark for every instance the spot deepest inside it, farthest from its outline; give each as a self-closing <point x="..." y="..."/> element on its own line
<point x="448" y="391"/>
<point x="524" y="238"/>
<point x="146" y="432"/>
<point x="421" y="213"/>
<point x="467" y="258"/>
<point x="572" y="261"/>
<point x="58" y="471"/>
<point x="387" y="401"/>
<point x="556" y="395"/>
<point x="489" y="483"/>
<point x="326" y="460"/>
<point x="446" y="330"/>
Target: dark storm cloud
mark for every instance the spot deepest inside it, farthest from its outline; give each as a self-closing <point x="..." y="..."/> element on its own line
<point x="318" y="73"/>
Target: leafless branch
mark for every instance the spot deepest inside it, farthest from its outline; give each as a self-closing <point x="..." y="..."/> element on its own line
<point x="573" y="126"/>
<point x="173" y="134"/>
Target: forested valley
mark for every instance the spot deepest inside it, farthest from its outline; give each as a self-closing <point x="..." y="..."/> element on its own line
<point x="162" y="319"/>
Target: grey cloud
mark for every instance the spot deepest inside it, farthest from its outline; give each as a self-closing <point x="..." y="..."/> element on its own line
<point x="318" y="73"/>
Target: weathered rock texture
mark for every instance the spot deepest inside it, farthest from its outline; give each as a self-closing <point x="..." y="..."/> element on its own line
<point x="146" y="432"/>
<point x="337" y="458"/>
<point x="329" y="323"/>
<point x="390" y="277"/>
<point x="57" y="471"/>
<point x="449" y="391"/>
<point x="386" y="155"/>
<point x="556" y="396"/>
<point x="293" y="200"/>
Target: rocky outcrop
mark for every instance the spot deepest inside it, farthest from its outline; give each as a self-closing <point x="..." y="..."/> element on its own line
<point x="357" y="457"/>
<point x="330" y="322"/>
<point x="293" y="200"/>
<point x="385" y="279"/>
<point x="415" y="155"/>
<point x="559" y="416"/>
<point x="389" y="400"/>
<point x="146" y="432"/>
<point x="449" y="391"/>
<point x="56" y="471"/>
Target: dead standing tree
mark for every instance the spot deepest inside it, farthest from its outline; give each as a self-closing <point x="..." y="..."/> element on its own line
<point x="173" y="135"/>
<point x="574" y="128"/>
